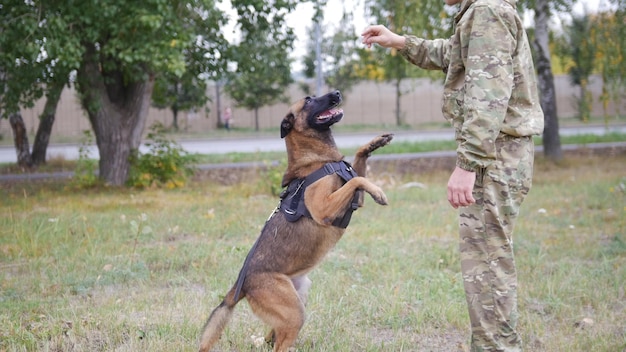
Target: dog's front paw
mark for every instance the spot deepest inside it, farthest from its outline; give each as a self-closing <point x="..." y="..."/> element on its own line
<point x="379" y="142"/>
<point x="379" y="197"/>
<point x="384" y="139"/>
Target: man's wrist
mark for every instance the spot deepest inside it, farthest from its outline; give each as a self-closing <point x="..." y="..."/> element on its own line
<point x="401" y="42"/>
<point x="465" y="165"/>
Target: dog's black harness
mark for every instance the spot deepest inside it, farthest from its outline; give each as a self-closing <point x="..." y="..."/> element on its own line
<point x="292" y="205"/>
<point x="292" y="198"/>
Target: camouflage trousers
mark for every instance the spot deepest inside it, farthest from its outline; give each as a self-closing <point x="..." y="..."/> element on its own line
<point x="486" y="245"/>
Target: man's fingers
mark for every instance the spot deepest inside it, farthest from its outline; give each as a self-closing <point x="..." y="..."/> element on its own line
<point x="460" y="199"/>
<point x="454" y="198"/>
<point x="371" y="35"/>
<point x="470" y="199"/>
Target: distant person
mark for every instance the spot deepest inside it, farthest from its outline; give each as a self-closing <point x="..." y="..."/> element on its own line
<point x="228" y="118"/>
<point x="490" y="96"/>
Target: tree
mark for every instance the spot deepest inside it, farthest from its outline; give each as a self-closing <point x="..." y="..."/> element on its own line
<point x="543" y="10"/>
<point x="117" y="50"/>
<point x="425" y="19"/>
<point x="261" y="58"/>
<point x="179" y="94"/>
<point x="339" y="55"/>
<point x="545" y="78"/>
<point x="31" y="70"/>
<point x="203" y="61"/>
<point x="610" y="45"/>
<point x="580" y="48"/>
<point x="124" y="50"/>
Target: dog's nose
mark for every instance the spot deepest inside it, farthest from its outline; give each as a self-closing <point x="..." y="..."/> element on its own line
<point x="335" y="96"/>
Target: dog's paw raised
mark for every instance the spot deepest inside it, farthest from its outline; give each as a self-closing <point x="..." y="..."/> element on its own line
<point x="380" y="141"/>
<point x="379" y="197"/>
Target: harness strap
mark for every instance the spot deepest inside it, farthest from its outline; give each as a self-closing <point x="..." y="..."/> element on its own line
<point x="292" y="198"/>
<point x="292" y="205"/>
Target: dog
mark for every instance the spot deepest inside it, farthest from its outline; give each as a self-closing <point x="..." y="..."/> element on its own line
<point x="321" y="192"/>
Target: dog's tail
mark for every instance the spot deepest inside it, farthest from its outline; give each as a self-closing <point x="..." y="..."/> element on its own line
<point x="217" y="321"/>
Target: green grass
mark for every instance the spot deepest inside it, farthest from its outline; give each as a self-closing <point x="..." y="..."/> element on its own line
<point x="110" y="269"/>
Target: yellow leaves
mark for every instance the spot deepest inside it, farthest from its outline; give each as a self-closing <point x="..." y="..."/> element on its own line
<point x="370" y="72"/>
<point x="174" y="183"/>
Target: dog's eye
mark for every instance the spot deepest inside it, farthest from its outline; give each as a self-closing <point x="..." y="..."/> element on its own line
<point x="307" y="100"/>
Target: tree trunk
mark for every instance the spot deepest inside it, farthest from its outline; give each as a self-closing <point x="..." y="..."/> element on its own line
<point x="117" y="110"/>
<point x="547" y="95"/>
<point x="177" y="91"/>
<point x="256" y="119"/>
<point x="398" y="96"/>
<point x="175" y="122"/>
<point x="46" y="121"/>
<point x="20" y="138"/>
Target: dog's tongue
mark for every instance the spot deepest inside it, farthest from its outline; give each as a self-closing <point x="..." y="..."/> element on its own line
<point x="329" y="113"/>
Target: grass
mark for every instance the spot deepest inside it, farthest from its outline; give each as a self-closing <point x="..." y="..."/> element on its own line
<point x="124" y="270"/>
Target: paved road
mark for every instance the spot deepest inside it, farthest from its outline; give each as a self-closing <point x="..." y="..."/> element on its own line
<point x="261" y="144"/>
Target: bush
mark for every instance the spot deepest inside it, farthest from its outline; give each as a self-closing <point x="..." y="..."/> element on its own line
<point x="166" y="164"/>
<point x="273" y="177"/>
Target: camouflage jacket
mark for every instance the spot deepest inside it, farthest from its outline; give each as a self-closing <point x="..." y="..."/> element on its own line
<point x="490" y="88"/>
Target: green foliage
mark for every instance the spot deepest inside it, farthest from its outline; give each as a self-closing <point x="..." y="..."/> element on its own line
<point x="273" y="176"/>
<point x="24" y="70"/>
<point x="340" y="60"/>
<point x="610" y="39"/>
<point x="166" y="164"/>
<point x="178" y="94"/>
<point x="261" y="57"/>
<point x="581" y="49"/>
<point x="595" y="42"/>
<point x="117" y="49"/>
<point x="85" y="172"/>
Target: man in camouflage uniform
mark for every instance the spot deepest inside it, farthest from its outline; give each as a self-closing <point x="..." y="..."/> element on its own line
<point x="490" y="96"/>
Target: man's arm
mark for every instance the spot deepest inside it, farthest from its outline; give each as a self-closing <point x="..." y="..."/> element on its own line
<point x="488" y="86"/>
<point x="427" y="54"/>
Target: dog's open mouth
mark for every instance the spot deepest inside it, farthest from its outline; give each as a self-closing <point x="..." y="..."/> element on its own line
<point x="331" y="115"/>
<point x="324" y="111"/>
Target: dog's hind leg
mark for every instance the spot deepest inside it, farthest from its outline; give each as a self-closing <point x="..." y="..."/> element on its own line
<point x="274" y="299"/>
<point x="302" y="284"/>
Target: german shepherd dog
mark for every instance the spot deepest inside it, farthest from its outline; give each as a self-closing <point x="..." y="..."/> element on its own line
<point x="321" y="192"/>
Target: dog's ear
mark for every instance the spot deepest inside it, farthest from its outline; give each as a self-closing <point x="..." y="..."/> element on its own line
<point x="286" y="125"/>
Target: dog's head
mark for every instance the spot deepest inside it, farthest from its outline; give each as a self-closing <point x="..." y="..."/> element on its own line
<point x="312" y="113"/>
